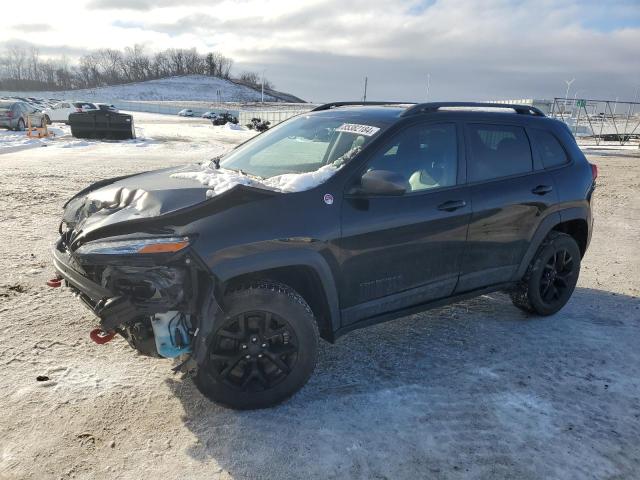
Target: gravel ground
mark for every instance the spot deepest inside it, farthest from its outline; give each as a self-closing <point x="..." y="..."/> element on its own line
<point x="474" y="390"/>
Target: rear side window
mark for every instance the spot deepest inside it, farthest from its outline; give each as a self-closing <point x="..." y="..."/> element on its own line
<point x="549" y="147"/>
<point x="497" y="151"/>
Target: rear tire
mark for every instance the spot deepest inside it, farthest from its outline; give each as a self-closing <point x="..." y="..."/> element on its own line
<point x="551" y="277"/>
<point x="264" y="348"/>
<point x="20" y="127"/>
<point x="47" y="120"/>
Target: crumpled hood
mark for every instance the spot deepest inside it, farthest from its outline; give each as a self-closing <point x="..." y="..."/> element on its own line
<point x="144" y="195"/>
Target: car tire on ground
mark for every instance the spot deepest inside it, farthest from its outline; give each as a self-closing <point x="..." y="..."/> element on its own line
<point x="47" y="120"/>
<point x="551" y="277"/>
<point x="20" y="127"/>
<point x="264" y="348"/>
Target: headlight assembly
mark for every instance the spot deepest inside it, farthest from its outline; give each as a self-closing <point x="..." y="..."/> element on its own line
<point x="141" y="246"/>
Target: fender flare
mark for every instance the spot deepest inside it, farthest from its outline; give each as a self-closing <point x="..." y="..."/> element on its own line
<point x="230" y="268"/>
<point x="546" y="225"/>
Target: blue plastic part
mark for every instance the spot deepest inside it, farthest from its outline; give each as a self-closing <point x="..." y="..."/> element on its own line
<point x="171" y="332"/>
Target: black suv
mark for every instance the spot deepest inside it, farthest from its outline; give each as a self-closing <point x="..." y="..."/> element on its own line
<point x="349" y="215"/>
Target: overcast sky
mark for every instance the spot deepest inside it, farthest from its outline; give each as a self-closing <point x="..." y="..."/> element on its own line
<point x="322" y="50"/>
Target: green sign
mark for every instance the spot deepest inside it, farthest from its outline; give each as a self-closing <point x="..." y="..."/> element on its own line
<point x="581" y="103"/>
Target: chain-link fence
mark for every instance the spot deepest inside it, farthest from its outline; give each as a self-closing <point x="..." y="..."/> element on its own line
<point x="602" y="120"/>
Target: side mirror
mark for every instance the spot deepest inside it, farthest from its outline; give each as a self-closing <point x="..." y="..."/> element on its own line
<point x="382" y="182"/>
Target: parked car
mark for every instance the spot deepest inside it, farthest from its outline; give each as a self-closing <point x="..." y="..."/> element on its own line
<point x="14" y="115"/>
<point x="239" y="266"/>
<point x="186" y="113"/>
<point x="107" y="107"/>
<point x="60" y="111"/>
<point x="209" y="115"/>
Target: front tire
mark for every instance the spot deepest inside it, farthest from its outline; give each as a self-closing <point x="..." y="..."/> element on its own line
<point x="551" y="278"/>
<point x="264" y="348"/>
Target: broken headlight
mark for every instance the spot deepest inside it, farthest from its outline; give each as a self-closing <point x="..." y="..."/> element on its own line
<point x="134" y="246"/>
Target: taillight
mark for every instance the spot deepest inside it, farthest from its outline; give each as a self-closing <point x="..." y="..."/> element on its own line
<point x="594" y="171"/>
<point x="10" y="114"/>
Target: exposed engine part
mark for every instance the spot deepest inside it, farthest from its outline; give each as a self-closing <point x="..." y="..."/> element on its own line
<point x="157" y="286"/>
<point x="140" y="336"/>
<point x="172" y="333"/>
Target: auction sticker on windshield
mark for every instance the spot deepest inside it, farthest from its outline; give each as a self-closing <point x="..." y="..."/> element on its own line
<point x="366" y="130"/>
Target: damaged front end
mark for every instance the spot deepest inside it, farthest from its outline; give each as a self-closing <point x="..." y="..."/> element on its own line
<point x="153" y="291"/>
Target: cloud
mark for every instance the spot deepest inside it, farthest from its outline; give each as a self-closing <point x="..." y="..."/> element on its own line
<point x="48" y="50"/>
<point x="141" y="5"/>
<point x="322" y="49"/>
<point x="32" y="27"/>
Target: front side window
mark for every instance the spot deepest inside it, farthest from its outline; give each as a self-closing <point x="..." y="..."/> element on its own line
<point x="497" y="151"/>
<point x="550" y="150"/>
<point x="425" y="155"/>
<point x="303" y="144"/>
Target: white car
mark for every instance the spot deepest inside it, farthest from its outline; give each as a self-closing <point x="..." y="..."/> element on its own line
<point x="186" y="113"/>
<point x="60" y="111"/>
<point x="209" y="115"/>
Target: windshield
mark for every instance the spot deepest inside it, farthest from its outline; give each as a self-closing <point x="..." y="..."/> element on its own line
<point x="302" y="144"/>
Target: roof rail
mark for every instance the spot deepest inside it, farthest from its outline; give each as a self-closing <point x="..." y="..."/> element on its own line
<point x="328" y="106"/>
<point x="435" y="106"/>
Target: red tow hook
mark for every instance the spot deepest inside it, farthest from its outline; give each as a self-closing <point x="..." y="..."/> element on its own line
<point x="100" y="336"/>
<point x="55" y="282"/>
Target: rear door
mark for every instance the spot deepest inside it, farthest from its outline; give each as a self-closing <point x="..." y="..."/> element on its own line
<point x="398" y="251"/>
<point x="510" y="196"/>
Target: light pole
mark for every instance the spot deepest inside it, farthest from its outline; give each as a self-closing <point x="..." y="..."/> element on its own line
<point x="428" y="85"/>
<point x="262" y="96"/>
<point x="566" y="94"/>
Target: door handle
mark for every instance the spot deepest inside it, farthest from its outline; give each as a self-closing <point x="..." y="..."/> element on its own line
<point x="542" y="189"/>
<point x="452" y="205"/>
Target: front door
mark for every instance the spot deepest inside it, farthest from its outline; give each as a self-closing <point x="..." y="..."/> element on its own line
<point x="403" y="250"/>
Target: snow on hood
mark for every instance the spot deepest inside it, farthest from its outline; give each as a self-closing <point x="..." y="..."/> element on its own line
<point x="220" y="180"/>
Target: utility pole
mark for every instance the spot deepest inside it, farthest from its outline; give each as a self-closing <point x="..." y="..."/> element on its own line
<point x="428" y="86"/>
<point x="364" y="97"/>
<point x="566" y="95"/>
<point x="263" y="72"/>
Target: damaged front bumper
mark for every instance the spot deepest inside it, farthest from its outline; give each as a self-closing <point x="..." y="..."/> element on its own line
<point x="160" y="303"/>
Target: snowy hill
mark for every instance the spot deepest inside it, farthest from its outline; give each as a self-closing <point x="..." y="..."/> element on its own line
<point x="184" y="88"/>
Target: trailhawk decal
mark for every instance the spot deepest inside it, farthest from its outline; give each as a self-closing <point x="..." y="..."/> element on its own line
<point x="367" y="130"/>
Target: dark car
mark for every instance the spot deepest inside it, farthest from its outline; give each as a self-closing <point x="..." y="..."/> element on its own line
<point x="336" y="219"/>
<point x="14" y="115"/>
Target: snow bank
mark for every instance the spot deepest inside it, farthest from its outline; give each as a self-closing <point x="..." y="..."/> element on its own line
<point x="181" y="88"/>
<point x="221" y="180"/>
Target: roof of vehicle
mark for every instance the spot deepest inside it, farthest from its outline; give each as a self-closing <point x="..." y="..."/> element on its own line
<point x="392" y="111"/>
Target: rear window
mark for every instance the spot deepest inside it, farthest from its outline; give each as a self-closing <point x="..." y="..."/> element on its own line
<point x="84" y="105"/>
<point x="6" y="105"/>
<point x="549" y="148"/>
<point x="498" y="151"/>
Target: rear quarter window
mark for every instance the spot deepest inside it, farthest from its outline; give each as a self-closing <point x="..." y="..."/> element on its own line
<point x="549" y="148"/>
<point x="497" y="151"/>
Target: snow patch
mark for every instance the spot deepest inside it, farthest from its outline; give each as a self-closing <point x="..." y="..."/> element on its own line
<point x="221" y="180"/>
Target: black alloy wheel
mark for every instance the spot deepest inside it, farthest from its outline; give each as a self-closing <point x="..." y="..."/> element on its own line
<point x="254" y="351"/>
<point x="551" y="277"/>
<point x="263" y="349"/>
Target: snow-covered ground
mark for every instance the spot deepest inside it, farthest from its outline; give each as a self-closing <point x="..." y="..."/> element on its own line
<point x="474" y="390"/>
<point x="188" y="87"/>
<point x="152" y="130"/>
